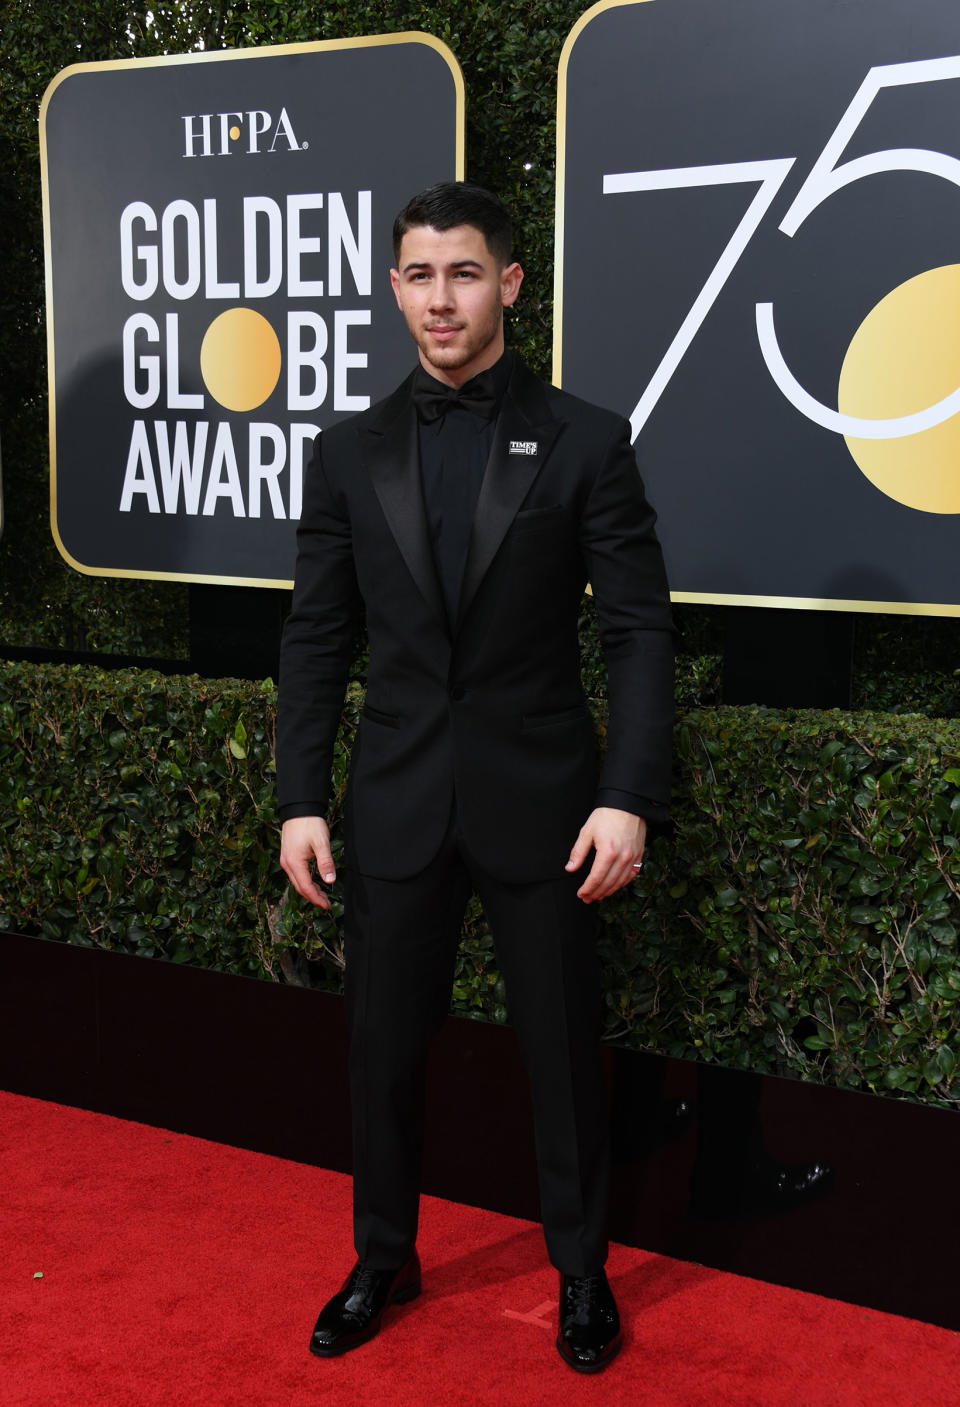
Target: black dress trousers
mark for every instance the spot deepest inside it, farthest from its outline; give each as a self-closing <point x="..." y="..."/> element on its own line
<point x="401" y="941"/>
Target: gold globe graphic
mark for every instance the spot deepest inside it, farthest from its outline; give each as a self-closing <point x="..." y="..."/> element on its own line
<point x="240" y="359"/>
<point x="904" y="356"/>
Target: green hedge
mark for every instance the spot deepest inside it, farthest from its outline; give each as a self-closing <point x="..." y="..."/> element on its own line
<point x="801" y="918"/>
<point x="804" y="918"/>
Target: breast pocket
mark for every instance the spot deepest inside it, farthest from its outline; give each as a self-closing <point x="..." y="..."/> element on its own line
<point x="534" y="519"/>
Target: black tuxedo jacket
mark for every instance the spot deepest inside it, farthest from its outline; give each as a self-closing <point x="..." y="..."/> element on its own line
<point x="489" y="711"/>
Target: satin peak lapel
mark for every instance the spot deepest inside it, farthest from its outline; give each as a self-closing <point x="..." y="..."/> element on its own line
<point x="522" y="440"/>
<point x="392" y="455"/>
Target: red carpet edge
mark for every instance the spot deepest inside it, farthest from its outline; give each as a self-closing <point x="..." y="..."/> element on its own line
<point x="142" y="1267"/>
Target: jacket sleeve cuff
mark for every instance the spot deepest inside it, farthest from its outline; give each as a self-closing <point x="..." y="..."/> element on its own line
<point x="301" y="808"/>
<point x="636" y="805"/>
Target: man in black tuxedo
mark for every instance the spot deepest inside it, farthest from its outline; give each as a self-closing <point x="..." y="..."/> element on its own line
<point x="464" y="515"/>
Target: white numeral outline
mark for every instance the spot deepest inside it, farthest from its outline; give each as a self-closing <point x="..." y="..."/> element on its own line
<point x="826" y="177"/>
<point x="771" y="176"/>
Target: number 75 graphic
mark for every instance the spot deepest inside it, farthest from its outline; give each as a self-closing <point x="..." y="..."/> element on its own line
<point x="827" y="176"/>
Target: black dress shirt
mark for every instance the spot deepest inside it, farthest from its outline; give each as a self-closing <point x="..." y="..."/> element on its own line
<point x="454" y="449"/>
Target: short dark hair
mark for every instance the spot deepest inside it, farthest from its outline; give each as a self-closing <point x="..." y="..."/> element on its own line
<point x="452" y="203"/>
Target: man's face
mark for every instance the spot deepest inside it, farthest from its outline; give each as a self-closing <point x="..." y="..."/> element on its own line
<point x="452" y="293"/>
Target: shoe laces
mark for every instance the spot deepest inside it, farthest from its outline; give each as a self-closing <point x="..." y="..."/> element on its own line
<point x="363" y="1279"/>
<point x="584" y="1290"/>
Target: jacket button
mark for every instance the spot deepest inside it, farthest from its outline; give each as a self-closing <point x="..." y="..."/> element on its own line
<point x="458" y="692"/>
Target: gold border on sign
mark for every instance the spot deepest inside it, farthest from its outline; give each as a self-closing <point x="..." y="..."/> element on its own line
<point x="702" y="598"/>
<point x="365" y="41"/>
<point x="561" y="169"/>
<point x="817" y="603"/>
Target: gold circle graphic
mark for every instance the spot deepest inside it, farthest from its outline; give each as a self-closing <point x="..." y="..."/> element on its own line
<point x="240" y="359"/>
<point x="905" y="355"/>
<point x="234" y="132"/>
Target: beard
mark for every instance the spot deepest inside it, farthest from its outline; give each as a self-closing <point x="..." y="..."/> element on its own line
<point x="471" y="342"/>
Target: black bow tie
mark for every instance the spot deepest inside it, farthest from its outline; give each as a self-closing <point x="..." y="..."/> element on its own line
<point x="433" y="399"/>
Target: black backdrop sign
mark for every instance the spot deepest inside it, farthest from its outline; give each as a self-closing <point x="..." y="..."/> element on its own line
<point x="758" y="210"/>
<point x="218" y="240"/>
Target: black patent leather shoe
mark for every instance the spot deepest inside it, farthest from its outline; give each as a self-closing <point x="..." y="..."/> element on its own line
<point x="735" y="1190"/>
<point x="589" y="1329"/>
<point x="353" y="1316"/>
<point x="786" y="1187"/>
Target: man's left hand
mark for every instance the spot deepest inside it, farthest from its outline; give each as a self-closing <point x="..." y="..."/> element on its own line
<point x="618" y="837"/>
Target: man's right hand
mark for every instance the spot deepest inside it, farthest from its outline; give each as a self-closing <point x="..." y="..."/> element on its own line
<point x="306" y="838"/>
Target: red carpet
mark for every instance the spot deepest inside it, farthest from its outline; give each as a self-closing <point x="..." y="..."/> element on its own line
<point x="176" y="1271"/>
